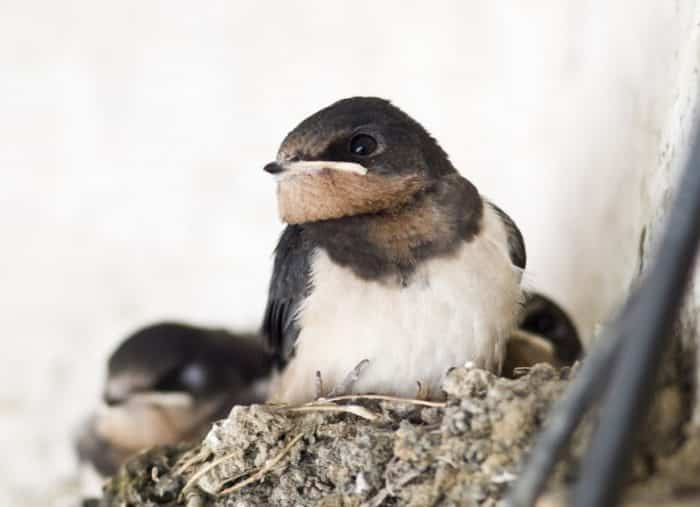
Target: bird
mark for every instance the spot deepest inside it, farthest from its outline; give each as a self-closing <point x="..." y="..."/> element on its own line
<point x="389" y="258"/>
<point x="545" y="334"/>
<point x="166" y="383"/>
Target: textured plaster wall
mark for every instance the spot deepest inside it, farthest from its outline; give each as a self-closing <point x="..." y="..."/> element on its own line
<point x="132" y="137"/>
<point x="659" y="183"/>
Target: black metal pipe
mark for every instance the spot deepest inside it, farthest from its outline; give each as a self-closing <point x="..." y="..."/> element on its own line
<point x="600" y="365"/>
<point x="564" y="419"/>
<point x="650" y="324"/>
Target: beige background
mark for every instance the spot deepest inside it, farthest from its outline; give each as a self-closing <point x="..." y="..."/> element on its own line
<point x="133" y="133"/>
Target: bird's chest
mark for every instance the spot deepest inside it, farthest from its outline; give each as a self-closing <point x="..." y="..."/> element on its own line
<point x="454" y="309"/>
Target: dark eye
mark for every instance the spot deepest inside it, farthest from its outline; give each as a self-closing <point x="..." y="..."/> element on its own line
<point x="363" y="145"/>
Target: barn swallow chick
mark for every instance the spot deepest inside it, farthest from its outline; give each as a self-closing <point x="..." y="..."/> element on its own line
<point x="390" y="256"/>
<point x="166" y="384"/>
<point x="546" y="334"/>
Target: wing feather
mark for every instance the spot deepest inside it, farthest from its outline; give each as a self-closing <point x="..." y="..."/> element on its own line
<point x="289" y="286"/>
<point x="516" y="244"/>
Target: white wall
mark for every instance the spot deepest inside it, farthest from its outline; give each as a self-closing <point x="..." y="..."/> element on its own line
<point x="661" y="181"/>
<point x="132" y="137"/>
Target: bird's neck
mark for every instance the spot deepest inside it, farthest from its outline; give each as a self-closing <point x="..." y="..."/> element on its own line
<point x="390" y="243"/>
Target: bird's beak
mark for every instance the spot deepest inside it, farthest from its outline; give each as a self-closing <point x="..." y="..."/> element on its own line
<point x="119" y="389"/>
<point x="171" y="399"/>
<point x="284" y="170"/>
<point x="135" y="388"/>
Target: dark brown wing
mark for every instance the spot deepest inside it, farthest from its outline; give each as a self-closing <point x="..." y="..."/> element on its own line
<point x="516" y="244"/>
<point x="289" y="286"/>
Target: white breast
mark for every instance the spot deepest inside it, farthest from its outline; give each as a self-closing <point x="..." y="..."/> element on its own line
<point x="455" y="309"/>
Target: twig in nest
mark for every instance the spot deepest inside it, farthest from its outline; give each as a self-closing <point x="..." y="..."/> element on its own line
<point x="414" y="401"/>
<point x="237" y="476"/>
<point x="200" y="456"/>
<point x="350" y="379"/>
<point x="269" y="465"/>
<point x="329" y="405"/>
<point x="199" y="473"/>
<point x="332" y="407"/>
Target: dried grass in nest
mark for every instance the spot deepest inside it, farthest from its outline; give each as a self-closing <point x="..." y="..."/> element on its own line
<point x="331" y="404"/>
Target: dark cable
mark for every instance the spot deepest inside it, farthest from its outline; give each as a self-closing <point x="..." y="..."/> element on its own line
<point x="660" y="297"/>
<point x="563" y="420"/>
<point x="596" y="371"/>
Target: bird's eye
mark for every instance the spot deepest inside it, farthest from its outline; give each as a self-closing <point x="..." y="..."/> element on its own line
<point x="363" y="145"/>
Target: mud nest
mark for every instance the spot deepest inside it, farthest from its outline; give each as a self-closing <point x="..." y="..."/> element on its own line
<point x="366" y="451"/>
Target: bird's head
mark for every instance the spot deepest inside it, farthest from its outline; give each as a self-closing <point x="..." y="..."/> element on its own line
<point x="543" y="317"/>
<point x="160" y="359"/>
<point x="168" y="380"/>
<point x="156" y="384"/>
<point x="359" y="155"/>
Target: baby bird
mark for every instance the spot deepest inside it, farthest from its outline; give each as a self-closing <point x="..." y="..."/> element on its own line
<point x="167" y="383"/>
<point x="389" y="255"/>
<point x="546" y="334"/>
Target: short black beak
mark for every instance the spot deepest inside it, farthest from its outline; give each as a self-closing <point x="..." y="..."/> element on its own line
<point x="273" y="168"/>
